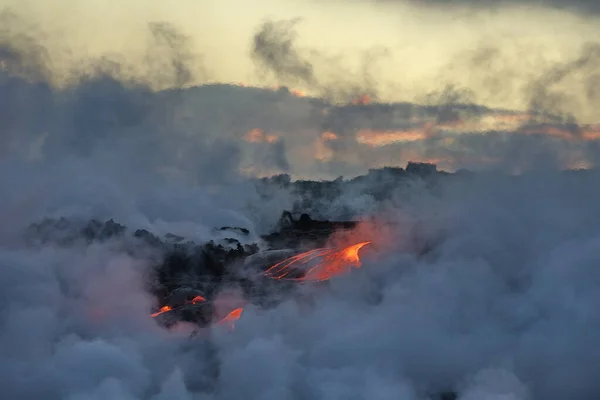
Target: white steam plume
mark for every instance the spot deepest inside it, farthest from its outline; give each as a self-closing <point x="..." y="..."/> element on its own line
<point x="503" y="304"/>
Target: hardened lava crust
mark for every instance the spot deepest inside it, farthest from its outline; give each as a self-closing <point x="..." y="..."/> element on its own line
<point x="183" y="270"/>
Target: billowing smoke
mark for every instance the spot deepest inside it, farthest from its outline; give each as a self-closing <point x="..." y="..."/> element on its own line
<point x="274" y="48"/>
<point x="276" y="52"/>
<point x="448" y="127"/>
<point x="486" y="286"/>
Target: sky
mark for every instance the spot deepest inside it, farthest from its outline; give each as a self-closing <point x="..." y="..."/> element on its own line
<point x="413" y="48"/>
<point x="535" y="65"/>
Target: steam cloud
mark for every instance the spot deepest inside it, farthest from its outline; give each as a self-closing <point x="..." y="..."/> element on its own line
<point x="504" y="305"/>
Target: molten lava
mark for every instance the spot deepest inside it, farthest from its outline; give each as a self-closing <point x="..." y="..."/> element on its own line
<point x="162" y="310"/>
<point x="330" y="262"/>
<point x="231" y="318"/>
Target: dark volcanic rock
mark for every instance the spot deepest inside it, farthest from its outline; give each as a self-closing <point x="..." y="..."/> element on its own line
<point x="183" y="268"/>
<point x="294" y="233"/>
<point x="96" y="230"/>
<point x="149" y="238"/>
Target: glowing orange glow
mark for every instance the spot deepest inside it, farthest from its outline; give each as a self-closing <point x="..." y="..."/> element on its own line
<point x="259" y="136"/>
<point x="298" y="93"/>
<point x="254" y="136"/>
<point x="328" y="136"/>
<point x="363" y="99"/>
<point x="231" y="318"/>
<point x="330" y="262"/>
<point x="162" y="310"/>
<point x="322" y="151"/>
<point x="382" y="138"/>
<point x="510" y="123"/>
<point x="549" y="130"/>
<point x="591" y="132"/>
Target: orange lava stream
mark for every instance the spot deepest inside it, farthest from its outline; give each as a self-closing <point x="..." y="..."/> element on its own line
<point x="162" y="310"/>
<point x="231" y="318"/>
<point x="332" y="263"/>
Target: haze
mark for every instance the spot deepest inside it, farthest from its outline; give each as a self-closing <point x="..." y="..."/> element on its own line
<point x="478" y="283"/>
<point x="421" y="45"/>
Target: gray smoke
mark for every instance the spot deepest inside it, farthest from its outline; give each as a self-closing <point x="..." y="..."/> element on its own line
<point x="276" y="53"/>
<point x="274" y="49"/>
<point x="503" y="306"/>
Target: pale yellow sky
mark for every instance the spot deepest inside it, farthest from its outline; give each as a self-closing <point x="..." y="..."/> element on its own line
<point x="428" y="48"/>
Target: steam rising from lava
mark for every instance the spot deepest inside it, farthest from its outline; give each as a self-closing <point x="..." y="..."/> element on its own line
<point x="486" y="284"/>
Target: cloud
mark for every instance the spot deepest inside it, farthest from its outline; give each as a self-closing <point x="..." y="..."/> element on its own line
<point x="580" y="6"/>
<point x="171" y="54"/>
<point x="276" y="53"/>
<point x="501" y="303"/>
<point x="274" y="49"/>
<point x="122" y="120"/>
<point x="476" y="315"/>
<point x="22" y="54"/>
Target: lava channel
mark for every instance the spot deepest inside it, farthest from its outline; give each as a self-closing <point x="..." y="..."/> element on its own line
<point x="228" y="320"/>
<point x="330" y="262"/>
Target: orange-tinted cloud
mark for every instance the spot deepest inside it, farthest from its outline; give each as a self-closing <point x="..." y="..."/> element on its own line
<point x="322" y="152"/>
<point x="328" y="136"/>
<point x="590" y="132"/>
<point x="298" y="93"/>
<point x="378" y="138"/>
<point x="259" y="136"/>
<point x="363" y="99"/>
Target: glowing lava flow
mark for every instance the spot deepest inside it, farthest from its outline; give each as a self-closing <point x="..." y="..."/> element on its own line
<point x="332" y="263"/>
<point x="164" y="309"/>
<point x="231" y="318"/>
